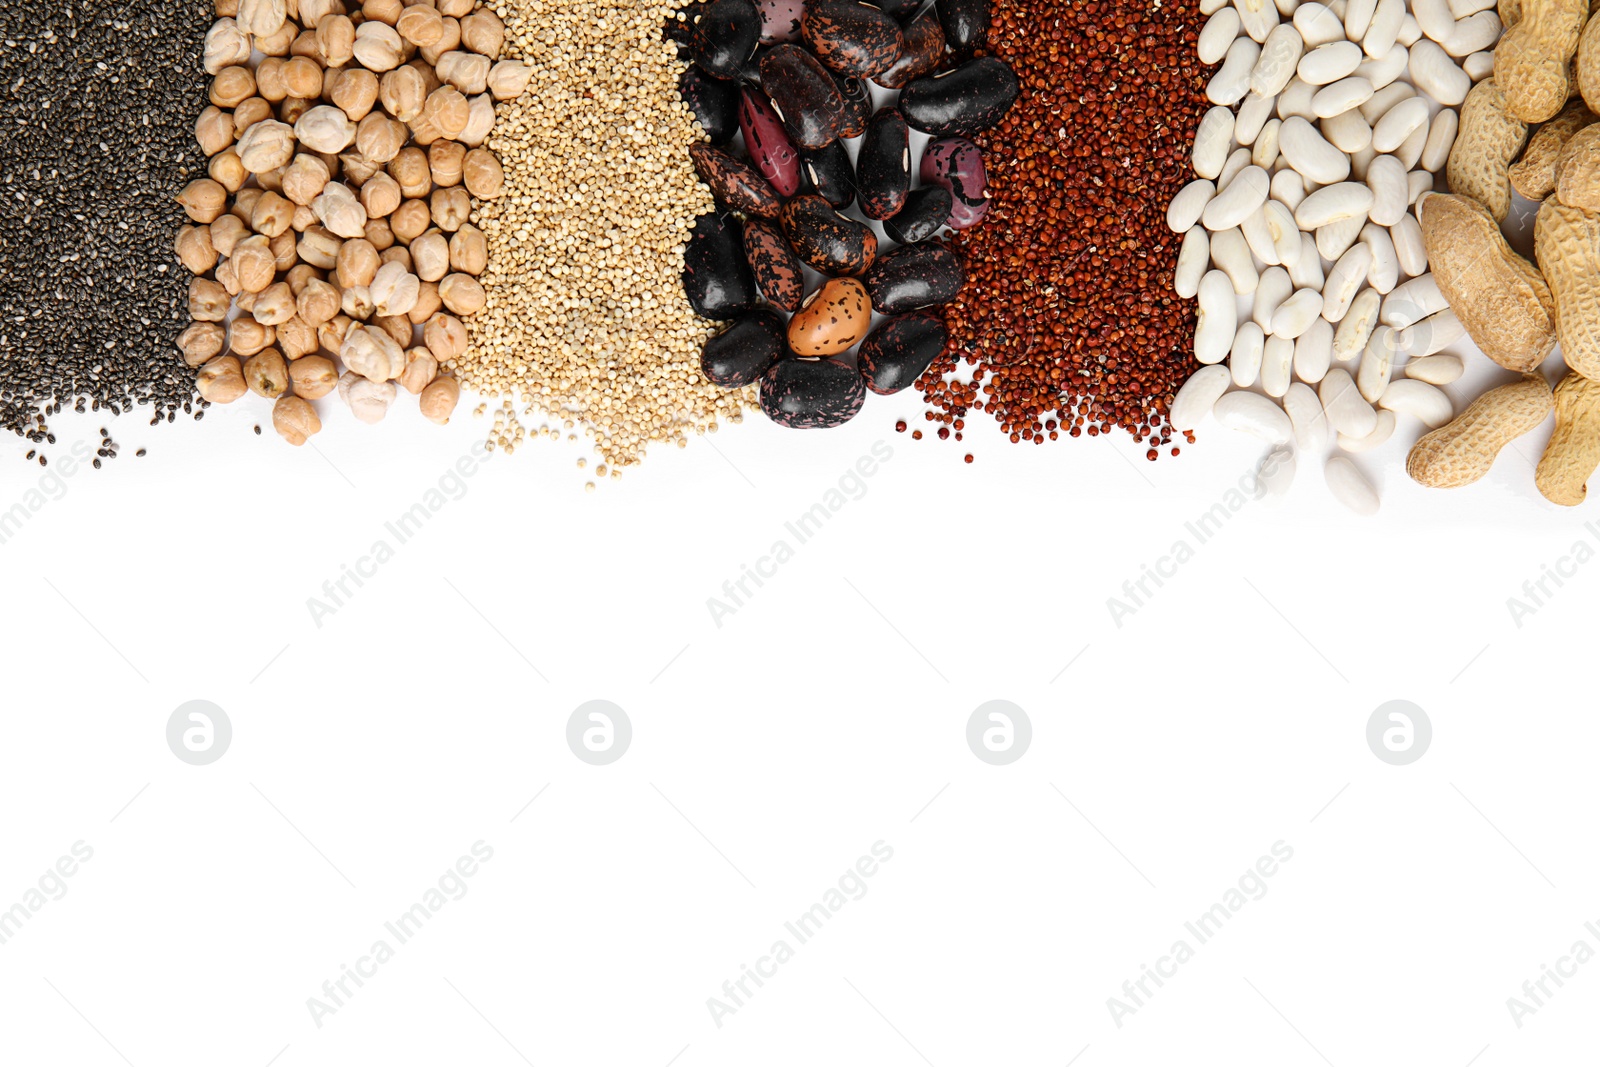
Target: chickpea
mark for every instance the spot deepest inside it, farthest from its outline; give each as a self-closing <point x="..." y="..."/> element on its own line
<point x="272" y="215"/>
<point x="404" y="93"/>
<point x="305" y="179"/>
<point x="325" y="129"/>
<point x="313" y="377"/>
<point x="456" y="8"/>
<point x="300" y="276"/>
<point x="340" y="211"/>
<point x="357" y="263"/>
<point x="483" y="32"/>
<point x="439" y="400"/>
<point x="394" y="292"/>
<point x="208" y="300"/>
<point x="447" y="110"/>
<point x="480" y="123"/>
<point x="462" y="294"/>
<point x="509" y="79"/>
<point x="449" y="42"/>
<point x="373" y="354"/>
<point x="332" y="333"/>
<point x="421" y="368"/>
<point x="445" y="337"/>
<point x="221" y="380"/>
<point x="468" y="72"/>
<point x="319" y="247"/>
<point x="445" y="160"/>
<point x="285" y="254"/>
<point x="195" y="250"/>
<point x="254" y="263"/>
<point x="377" y="46"/>
<point x="244" y="302"/>
<point x="249" y="113"/>
<point x="214" y="130"/>
<point x="293" y="109"/>
<point x="398" y="254"/>
<point x="266" y="374"/>
<point x="380" y="138"/>
<point x="296" y="339"/>
<point x="451" y="208"/>
<point x="247" y="336"/>
<point x="226" y="233"/>
<point x="306" y="45"/>
<point x="485" y="177"/>
<point x="201" y="341"/>
<point x="398" y="327"/>
<point x="431" y="255"/>
<point x="386" y="11"/>
<point x="304" y="218"/>
<point x="227" y="45"/>
<point x="428" y="303"/>
<point x="381" y="195"/>
<point x="368" y="400"/>
<point x="336" y="40"/>
<point x="303" y="78"/>
<point x="203" y="200"/>
<point x="227" y="276"/>
<point x="358" y="169"/>
<point x="232" y="86"/>
<point x="410" y="171"/>
<point x="410" y="220"/>
<point x="265" y="146"/>
<point x="424" y="132"/>
<point x="274" y="305"/>
<point x="270" y="84"/>
<point x="355" y="93"/>
<point x="469" y="250"/>
<point x="312" y="12"/>
<point x="227" y="171"/>
<point x="420" y="24"/>
<point x="356" y="303"/>
<point x="295" y="419"/>
<point x="277" y="44"/>
<point x="379" y="234"/>
<point x="230" y="8"/>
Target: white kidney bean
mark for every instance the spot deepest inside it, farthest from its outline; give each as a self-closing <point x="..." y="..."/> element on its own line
<point x="1435" y="370"/>
<point x="1285" y="234"/>
<point x="1231" y="254"/>
<point x="1360" y="160"/>
<point x="1193" y="259"/>
<point x="1264" y="153"/>
<point x="1432" y="334"/>
<point x="1213" y="140"/>
<point x="1296" y="99"/>
<point x="1356" y="327"/>
<point x="1330" y="62"/>
<point x="1380" y="433"/>
<point x="1221" y="30"/>
<point x="1277" y="365"/>
<point x="1413" y="301"/>
<point x="1288" y="189"/>
<point x="1307" y="270"/>
<point x="1406" y="396"/>
<point x="1383" y="70"/>
<point x="1335" y="239"/>
<point x="1309" y="424"/>
<point x="1473" y="34"/>
<point x="1258" y="236"/>
<point x="1218" y="318"/>
<point x="1190" y="203"/>
<point x="1384" y="31"/>
<point x="1333" y="203"/>
<point x="1253" y="114"/>
<point x="1310" y="154"/>
<point x="1239" y="199"/>
<point x="1232" y="80"/>
<point x="1377" y="363"/>
<point x="1295" y="315"/>
<point x="1479" y="65"/>
<point x="1238" y="161"/>
<point x="1211" y="7"/>
<point x="1441" y="138"/>
<point x="1347" y="131"/>
<point x="1398" y="123"/>
<point x="1259" y="17"/>
<point x="1466" y="8"/>
<point x="1345" y="280"/>
<point x="1390" y="191"/>
<point x="1245" y="358"/>
<point x="1418" y="183"/>
<point x="1197" y="396"/>
<point x="1347" y="412"/>
<point x="1435" y="73"/>
<point x="1435" y="18"/>
<point x="1410" y="33"/>
<point x="1384" y="274"/>
<point x="1280" y="53"/>
<point x="1313" y="352"/>
<point x="1342" y="95"/>
<point x="1253" y="414"/>
<point x="1408" y="246"/>
<point x="1384" y="99"/>
<point x="1274" y="289"/>
<point x="1318" y="25"/>
<point x="1348" y="485"/>
<point x="1275" y="472"/>
<point x="1358" y="18"/>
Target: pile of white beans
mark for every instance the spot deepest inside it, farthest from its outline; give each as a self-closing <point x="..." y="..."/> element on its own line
<point x="1301" y="241"/>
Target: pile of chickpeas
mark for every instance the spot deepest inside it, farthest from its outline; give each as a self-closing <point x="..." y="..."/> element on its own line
<point x="334" y="223"/>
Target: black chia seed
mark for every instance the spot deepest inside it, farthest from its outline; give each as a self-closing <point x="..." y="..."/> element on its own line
<point x="97" y="106"/>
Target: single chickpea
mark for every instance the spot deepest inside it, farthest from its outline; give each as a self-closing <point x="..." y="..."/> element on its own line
<point x="332" y="333"/>
<point x="226" y="233"/>
<point x="208" y="300"/>
<point x="410" y="220"/>
<point x="313" y="377"/>
<point x="430" y="254"/>
<point x="303" y="78"/>
<point x="451" y="208"/>
<point x="214" y="130"/>
<point x="270" y="84"/>
<point x="379" y="234"/>
<point x="232" y="86"/>
<point x="221" y="380"/>
<point x="398" y="254"/>
<point x="203" y="200"/>
<point x="336" y="40"/>
<point x="380" y="138"/>
<point x="483" y="174"/>
<point x="378" y="47"/>
<point x="355" y="93"/>
<point x="273" y="215"/>
<point x="247" y="336"/>
<point x="295" y="419"/>
<point x="483" y="32"/>
<point x="404" y="92"/>
<point x="445" y="337"/>
<point x="201" y="341"/>
<point x="296" y="339"/>
<point x="357" y="263"/>
<point x="305" y="44"/>
<point x="274" y="305"/>
<point x="447" y="110"/>
<point x="293" y="109"/>
<point x="448" y="42"/>
<point x="319" y="247"/>
<point x="285" y="250"/>
<point x="381" y="195"/>
<point x="397" y="327"/>
<point x="420" y="24"/>
<point x="438" y="401"/>
<point x="386" y="11"/>
<point x="277" y="44"/>
<point x="410" y="171"/>
<point x="195" y="250"/>
<point x="445" y="160"/>
<point x="249" y="113"/>
<point x="317" y="303"/>
<point x="305" y="179"/>
<point x="421" y="368"/>
<point x="428" y="303"/>
<point x="462" y="294"/>
<point x="468" y="72"/>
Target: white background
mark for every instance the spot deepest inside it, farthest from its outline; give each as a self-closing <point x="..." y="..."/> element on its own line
<point x="828" y="713"/>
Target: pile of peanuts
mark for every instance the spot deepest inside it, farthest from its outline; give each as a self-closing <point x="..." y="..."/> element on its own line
<point x="1303" y="244"/>
<point x="335" y="214"/>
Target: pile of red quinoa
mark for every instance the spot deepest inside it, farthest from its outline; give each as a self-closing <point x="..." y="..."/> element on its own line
<point x="1068" y="322"/>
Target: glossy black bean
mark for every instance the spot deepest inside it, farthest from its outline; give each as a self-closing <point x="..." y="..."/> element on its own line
<point x="857" y="104"/>
<point x="897" y="9"/>
<point x="742" y="353"/>
<point x="725" y="36"/>
<point x="922" y="55"/>
<point x="962" y="102"/>
<point x="803" y="94"/>
<point x="713" y="101"/>
<point x="812" y="394"/>
<point x="750" y="73"/>
<point x="926" y="210"/>
<point x="852" y="37"/>
<point x="827" y="241"/>
<point x="735" y="184"/>
<point x="895" y="354"/>
<point x="912" y="277"/>
<point x="966" y="24"/>
<point x="829" y="173"/>
<point x="716" y="277"/>
<point x="883" y="165"/>
<point x="776" y="268"/>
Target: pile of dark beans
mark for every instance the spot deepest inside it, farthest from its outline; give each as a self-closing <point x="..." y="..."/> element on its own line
<point x="793" y="78"/>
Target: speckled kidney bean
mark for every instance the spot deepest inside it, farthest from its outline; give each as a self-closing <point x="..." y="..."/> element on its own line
<point x="926" y="212"/>
<point x="803" y="94"/>
<point x="832" y="319"/>
<point x="725" y="36"/>
<point x="923" y="52"/>
<point x="767" y="143"/>
<point x="742" y="353"/>
<point x="780" y="20"/>
<point x="966" y="24"/>
<point x="829" y="172"/>
<point x="895" y="354"/>
<point x="812" y="394"/>
<point x="857" y="104"/>
<point x="912" y="277"/>
<point x="883" y="164"/>
<point x="734" y="183"/>
<point x="957" y="164"/>
<point x="962" y="102"/>
<point x="714" y="102"/>
<point x="825" y="240"/>
<point x="852" y="37"/>
<point x="716" y="277"/>
<point x="776" y="268"/>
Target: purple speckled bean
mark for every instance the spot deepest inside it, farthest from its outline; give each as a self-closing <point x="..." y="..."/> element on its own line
<point x="780" y="20"/>
<point x="769" y="146"/>
<point x="957" y="164"/>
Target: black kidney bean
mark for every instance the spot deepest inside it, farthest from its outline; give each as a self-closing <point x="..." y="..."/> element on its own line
<point x="767" y="143"/>
<point x="725" y="37"/>
<point x="734" y="183"/>
<point x="883" y="165"/>
<point x="829" y="173"/>
<point x="895" y="354"/>
<point x="780" y="20"/>
<point x="812" y="394"/>
<point x="857" y="104"/>
<point x="957" y="164"/>
<point x="912" y="277"/>
<point x="742" y="353"/>
<point x="966" y="24"/>
<point x="826" y="240"/>
<point x="714" y="102"/>
<point x="716" y="277"/>
<point x="776" y="268"/>
<point x="803" y="94"/>
<point x="750" y="73"/>
<point x="852" y="37"/>
<point x="923" y="53"/>
<point x="927" y="210"/>
<point x="897" y="9"/>
<point x="962" y="102"/>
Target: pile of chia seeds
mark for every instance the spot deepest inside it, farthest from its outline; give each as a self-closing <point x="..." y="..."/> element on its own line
<point x="97" y="106"/>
